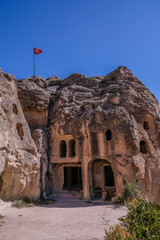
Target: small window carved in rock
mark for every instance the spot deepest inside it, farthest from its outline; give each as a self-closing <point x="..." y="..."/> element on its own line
<point x="108" y="135"/>
<point x="143" y="147"/>
<point x="146" y="125"/>
<point x="63" y="149"/>
<point x="20" y="130"/>
<point x="15" y="109"/>
<point x="72" y="152"/>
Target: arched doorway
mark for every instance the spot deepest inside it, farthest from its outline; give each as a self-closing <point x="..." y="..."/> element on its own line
<point x="101" y="180"/>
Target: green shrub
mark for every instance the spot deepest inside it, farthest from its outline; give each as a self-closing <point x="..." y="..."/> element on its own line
<point x="141" y="223"/>
<point x="118" y="232"/>
<point x="21" y="203"/>
<point x="143" y="220"/>
<point x="130" y="192"/>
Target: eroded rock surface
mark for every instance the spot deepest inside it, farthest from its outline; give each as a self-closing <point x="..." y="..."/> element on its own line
<point x="87" y="107"/>
<point x="19" y="160"/>
<point x="102" y="123"/>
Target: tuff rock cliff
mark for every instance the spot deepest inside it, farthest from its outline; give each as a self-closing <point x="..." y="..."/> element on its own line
<point x="19" y="160"/>
<point x="84" y="108"/>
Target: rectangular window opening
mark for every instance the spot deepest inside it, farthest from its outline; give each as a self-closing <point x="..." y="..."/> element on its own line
<point x="109" y="176"/>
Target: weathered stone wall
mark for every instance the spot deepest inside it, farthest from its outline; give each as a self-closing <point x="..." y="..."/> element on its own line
<point x="34" y="95"/>
<point x="86" y="108"/>
<point x="19" y="160"/>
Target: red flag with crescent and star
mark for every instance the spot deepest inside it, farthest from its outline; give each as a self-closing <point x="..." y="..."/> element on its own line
<point x="37" y="51"/>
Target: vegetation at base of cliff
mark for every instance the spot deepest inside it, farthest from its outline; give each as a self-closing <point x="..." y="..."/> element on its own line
<point x="141" y="223"/>
<point x="21" y="203"/>
<point x="130" y="192"/>
<point x="26" y="202"/>
<point x="117" y="232"/>
<point x="43" y="202"/>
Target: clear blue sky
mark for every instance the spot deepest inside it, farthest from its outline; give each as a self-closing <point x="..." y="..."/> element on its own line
<point x="92" y="37"/>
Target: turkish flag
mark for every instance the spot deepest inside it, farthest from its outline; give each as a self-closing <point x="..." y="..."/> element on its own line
<point x="37" y="51"/>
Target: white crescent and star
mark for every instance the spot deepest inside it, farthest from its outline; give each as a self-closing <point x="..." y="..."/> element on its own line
<point x="36" y="50"/>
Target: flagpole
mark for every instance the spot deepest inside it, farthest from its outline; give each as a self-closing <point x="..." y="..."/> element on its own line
<point x="35" y="52"/>
<point x="34" y="64"/>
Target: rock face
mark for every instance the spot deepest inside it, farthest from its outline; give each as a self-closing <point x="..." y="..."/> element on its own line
<point x="35" y="100"/>
<point x="19" y="160"/>
<point x="114" y="122"/>
<point x="93" y="133"/>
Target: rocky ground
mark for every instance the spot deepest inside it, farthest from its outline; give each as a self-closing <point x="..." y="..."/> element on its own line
<point x="66" y="219"/>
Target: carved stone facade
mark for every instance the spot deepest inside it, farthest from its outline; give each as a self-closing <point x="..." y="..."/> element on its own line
<point x="93" y="133"/>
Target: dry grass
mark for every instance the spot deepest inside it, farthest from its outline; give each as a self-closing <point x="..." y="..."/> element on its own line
<point x="28" y="203"/>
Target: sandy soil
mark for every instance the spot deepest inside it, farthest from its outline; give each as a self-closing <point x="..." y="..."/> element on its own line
<point x="66" y="219"/>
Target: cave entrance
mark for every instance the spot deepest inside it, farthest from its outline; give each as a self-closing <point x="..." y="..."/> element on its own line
<point x="72" y="179"/>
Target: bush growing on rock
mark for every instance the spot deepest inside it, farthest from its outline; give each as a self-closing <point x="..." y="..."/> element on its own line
<point x="130" y="192"/>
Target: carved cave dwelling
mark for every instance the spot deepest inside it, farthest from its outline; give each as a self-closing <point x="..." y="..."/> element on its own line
<point x="87" y="135"/>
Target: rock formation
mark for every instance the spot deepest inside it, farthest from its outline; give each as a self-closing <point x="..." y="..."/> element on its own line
<point x="19" y="160"/>
<point x="92" y="134"/>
